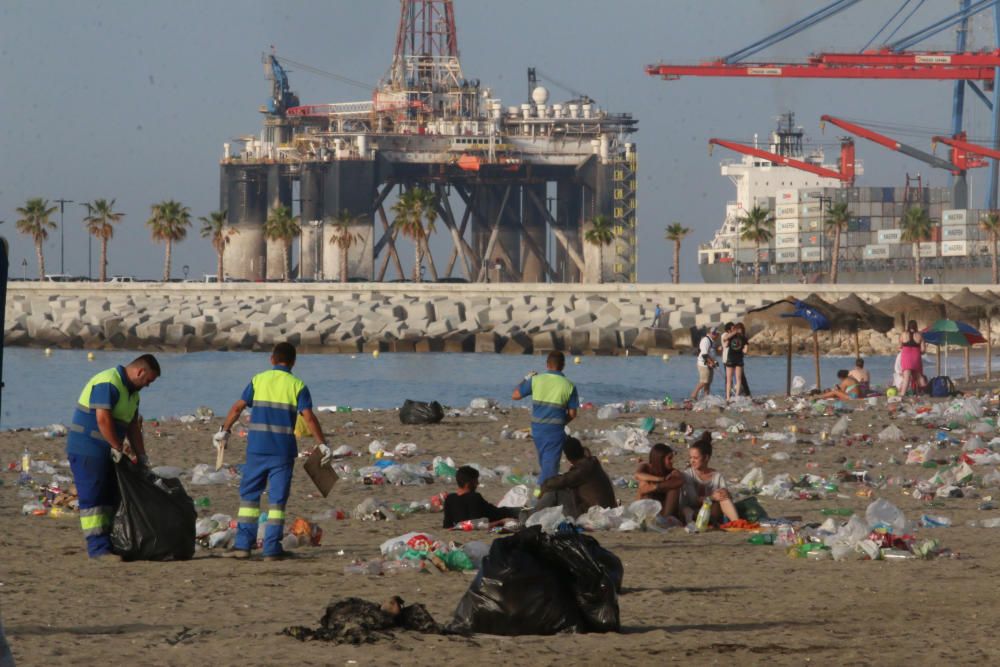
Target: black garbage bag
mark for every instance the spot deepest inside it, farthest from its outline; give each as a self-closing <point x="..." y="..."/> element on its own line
<point x="356" y="621"/>
<point x="418" y="412"/>
<point x="541" y="584"/>
<point x="156" y="517"/>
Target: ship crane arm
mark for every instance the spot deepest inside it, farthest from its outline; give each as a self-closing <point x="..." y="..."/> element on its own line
<point x="959" y="142"/>
<point x="847" y="167"/>
<point x="957" y="164"/>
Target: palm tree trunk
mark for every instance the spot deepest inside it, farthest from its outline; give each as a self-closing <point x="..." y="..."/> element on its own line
<point x="41" y="259"/>
<point x="220" y="272"/>
<point x="835" y="260"/>
<point x="104" y="260"/>
<point x="677" y="261"/>
<point x="287" y="250"/>
<point x="996" y="274"/>
<point x="416" y="260"/>
<point x="430" y="260"/>
<point x="916" y="263"/>
<point x="166" y="260"/>
<point x="756" y="263"/>
<point x="343" y="264"/>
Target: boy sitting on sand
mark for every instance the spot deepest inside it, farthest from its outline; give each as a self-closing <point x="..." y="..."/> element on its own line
<point x="466" y="504"/>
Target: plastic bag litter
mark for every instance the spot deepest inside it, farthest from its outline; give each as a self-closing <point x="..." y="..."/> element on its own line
<point x="155" y="518"/>
<point x="537" y="584"/>
<point x="644" y="511"/>
<point x="918" y="454"/>
<point x="482" y="404"/>
<point x="840" y="428"/>
<point x="343" y="451"/>
<point x="516" y="496"/>
<point x="890" y="433"/>
<point x="602" y="518"/>
<point x="608" y="412"/>
<point x="548" y="519"/>
<point x="405" y="449"/>
<point x="399" y="544"/>
<point x="753" y="481"/>
<point x="965" y="409"/>
<point x="709" y="402"/>
<point x="982" y="428"/>
<point x="476" y="551"/>
<point x="798" y="385"/>
<point x="628" y="439"/>
<point x="168" y="472"/>
<point x="371" y="509"/>
<point x="205" y="474"/>
<point x="883" y="513"/>
<point x="418" y="412"/>
<point x="376" y="446"/>
<point x="407" y="474"/>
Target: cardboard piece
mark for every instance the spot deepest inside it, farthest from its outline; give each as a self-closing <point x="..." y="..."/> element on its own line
<point x="323" y="476"/>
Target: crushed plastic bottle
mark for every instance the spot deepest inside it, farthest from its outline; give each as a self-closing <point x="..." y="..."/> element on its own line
<point x="935" y="521"/>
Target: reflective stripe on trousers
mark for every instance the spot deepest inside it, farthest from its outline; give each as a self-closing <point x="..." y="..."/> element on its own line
<point x="97" y="520"/>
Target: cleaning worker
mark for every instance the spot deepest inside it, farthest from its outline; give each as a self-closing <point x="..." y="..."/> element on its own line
<point x="275" y="398"/>
<point x="107" y="413"/>
<point x="554" y="404"/>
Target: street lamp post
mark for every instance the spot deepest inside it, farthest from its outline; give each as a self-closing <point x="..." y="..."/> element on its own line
<point x="24" y="268"/>
<point x="62" y="234"/>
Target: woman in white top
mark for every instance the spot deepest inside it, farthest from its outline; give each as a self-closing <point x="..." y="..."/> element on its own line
<point x="701" y="482"/>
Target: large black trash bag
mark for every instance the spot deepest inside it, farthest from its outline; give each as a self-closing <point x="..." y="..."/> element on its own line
<point x="418" y="412"/>
<point x="541" y="584"/>
<point x="356" y="621"/>
<point x="156" y="517"/>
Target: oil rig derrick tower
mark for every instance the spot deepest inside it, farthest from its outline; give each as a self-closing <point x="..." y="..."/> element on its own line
<point x="516" y="188"/>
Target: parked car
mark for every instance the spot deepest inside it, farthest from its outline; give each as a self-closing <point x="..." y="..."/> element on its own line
<point x="121" y="279"/>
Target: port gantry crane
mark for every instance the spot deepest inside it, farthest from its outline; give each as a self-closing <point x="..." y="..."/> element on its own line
<point x="847" y="168"/>
<point x="959" y="162"/>
<point x="979" y="70"/>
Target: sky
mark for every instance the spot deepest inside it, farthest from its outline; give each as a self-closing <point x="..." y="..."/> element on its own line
<point x="132" y="100"/>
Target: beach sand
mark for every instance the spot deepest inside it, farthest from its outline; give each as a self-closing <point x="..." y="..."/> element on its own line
<point x="708" y="597"/>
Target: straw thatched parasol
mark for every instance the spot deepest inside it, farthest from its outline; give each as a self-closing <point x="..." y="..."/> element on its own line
<point x="865" y="316"/>
<point x="904" y="307"/>
<point x="953" y="311"/>
<point x="982" y="307"/>
<point x="809" y="314"/>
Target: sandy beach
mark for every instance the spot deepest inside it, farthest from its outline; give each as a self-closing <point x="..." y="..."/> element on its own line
<point x="710" y="597"/>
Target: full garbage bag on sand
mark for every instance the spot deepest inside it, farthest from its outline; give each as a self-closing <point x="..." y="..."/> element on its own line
<point x="156" y="517"/>
<point x="418" y="412"/>
<point x="533" y="583"/>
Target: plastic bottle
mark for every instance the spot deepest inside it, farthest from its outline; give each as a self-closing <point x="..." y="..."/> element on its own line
<point x="935" y="521"/>
<point x="203" y="502"/>
<point x="704" y="516"/>
<point x="762" y="538"/>
<point x="26" y="461"/>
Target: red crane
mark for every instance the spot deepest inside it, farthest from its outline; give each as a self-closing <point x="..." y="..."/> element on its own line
<point x="959" y="143"/>
<point x="846" y="173"/>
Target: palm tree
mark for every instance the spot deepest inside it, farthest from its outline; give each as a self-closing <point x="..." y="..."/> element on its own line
<point x="35" y="223"/>
<point x="756" y="226"/>
<point x="213" y="227"/>
<point x="676" y="233"/>
<point x="600" y="234"/>
<point x="344" y="238"/>
<point x="282" y="226"/>
<point x="916" y="227"/>
<point x="410" y="210"/>
<point x="169" y="222"/>
<point x="991" y="225"/>
<point x="100" y="222"/>
<point x="836" y="222"/>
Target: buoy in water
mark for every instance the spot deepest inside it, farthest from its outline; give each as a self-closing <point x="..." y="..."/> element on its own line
<point x="576" y="360"/>
<point x="48" y="352"/>
<point x="375" y="354"/>
<point x="665" y="357"/>
<point x="90" y="356"/>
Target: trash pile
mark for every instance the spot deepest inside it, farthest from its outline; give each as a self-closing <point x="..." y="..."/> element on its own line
<point x="356" y="621"/>
<point x="420" y="552"/>
<point x="45" y="490"/>
<point x="218" y="531"/>
<point x="638" y="515"/>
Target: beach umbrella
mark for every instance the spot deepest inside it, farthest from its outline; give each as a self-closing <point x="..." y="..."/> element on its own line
<point x="950" y="332"/>
<point x="983" y="306"/>
<point x="810" y="314"/>
<point x="904" y="307"/>
<point x="864" y="316"/>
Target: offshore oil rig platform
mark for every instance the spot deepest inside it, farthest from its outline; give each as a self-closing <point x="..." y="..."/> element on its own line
<point x="517" y="187"/>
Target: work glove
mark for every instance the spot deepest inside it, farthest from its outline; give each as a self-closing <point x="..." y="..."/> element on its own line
<point x="116" y="455"/>
<point x="530" y="375"/>
<point x="327" y="453"/>
<point x="220" y="439"/>
<point x="144" y="461"/>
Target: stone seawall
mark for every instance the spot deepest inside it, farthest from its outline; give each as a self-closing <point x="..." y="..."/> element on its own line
<point x="507" y="318"/>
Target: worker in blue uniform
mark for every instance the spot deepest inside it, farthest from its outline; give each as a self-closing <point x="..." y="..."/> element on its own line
<point x="275" y="397"/>
<point x="554" y="404"/>
<point x="106" y="415"/>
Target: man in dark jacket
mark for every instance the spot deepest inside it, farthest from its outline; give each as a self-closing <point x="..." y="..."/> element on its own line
<point x="583" y="486"/>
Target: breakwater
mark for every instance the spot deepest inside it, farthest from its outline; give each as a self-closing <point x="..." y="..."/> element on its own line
<point x="507" y="318"/>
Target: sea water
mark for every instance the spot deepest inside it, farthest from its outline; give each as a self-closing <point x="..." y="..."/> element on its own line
<point x="42" y="390"/>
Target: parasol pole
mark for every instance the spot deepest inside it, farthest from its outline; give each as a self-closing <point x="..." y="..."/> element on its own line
<point x="968" y="365"/>
<point x="939" y="359"/>
<point x="857" y="344"/>
<point x="816" y="357"/>
<point x="989" y="349"/>
<point x="788" y="363"/>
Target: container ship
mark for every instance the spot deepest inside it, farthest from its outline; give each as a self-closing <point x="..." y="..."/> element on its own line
<point x="872" y="250"/>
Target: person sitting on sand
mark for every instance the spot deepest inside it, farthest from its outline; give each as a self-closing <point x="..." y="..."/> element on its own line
<point x="845" y="390"/>
<point x="861" y="374"/>
<point x="583" y="486"/>
<point x="659" y="480"/>
<point x="701" y="482"/>
<point x="467" y="504"/>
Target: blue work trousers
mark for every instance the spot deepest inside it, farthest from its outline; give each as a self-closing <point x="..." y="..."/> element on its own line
<point x="549" y="443"/>
<point x="273" y="473"/>
<point x="97" y="490"/>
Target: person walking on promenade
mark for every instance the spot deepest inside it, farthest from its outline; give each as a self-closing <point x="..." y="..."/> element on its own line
<point x="657" y="315"/>
<point x="706" y="363"/>
<point x="275" y="397"/>
<point x="106" y="415"/>
<point x="554" y="404"/>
